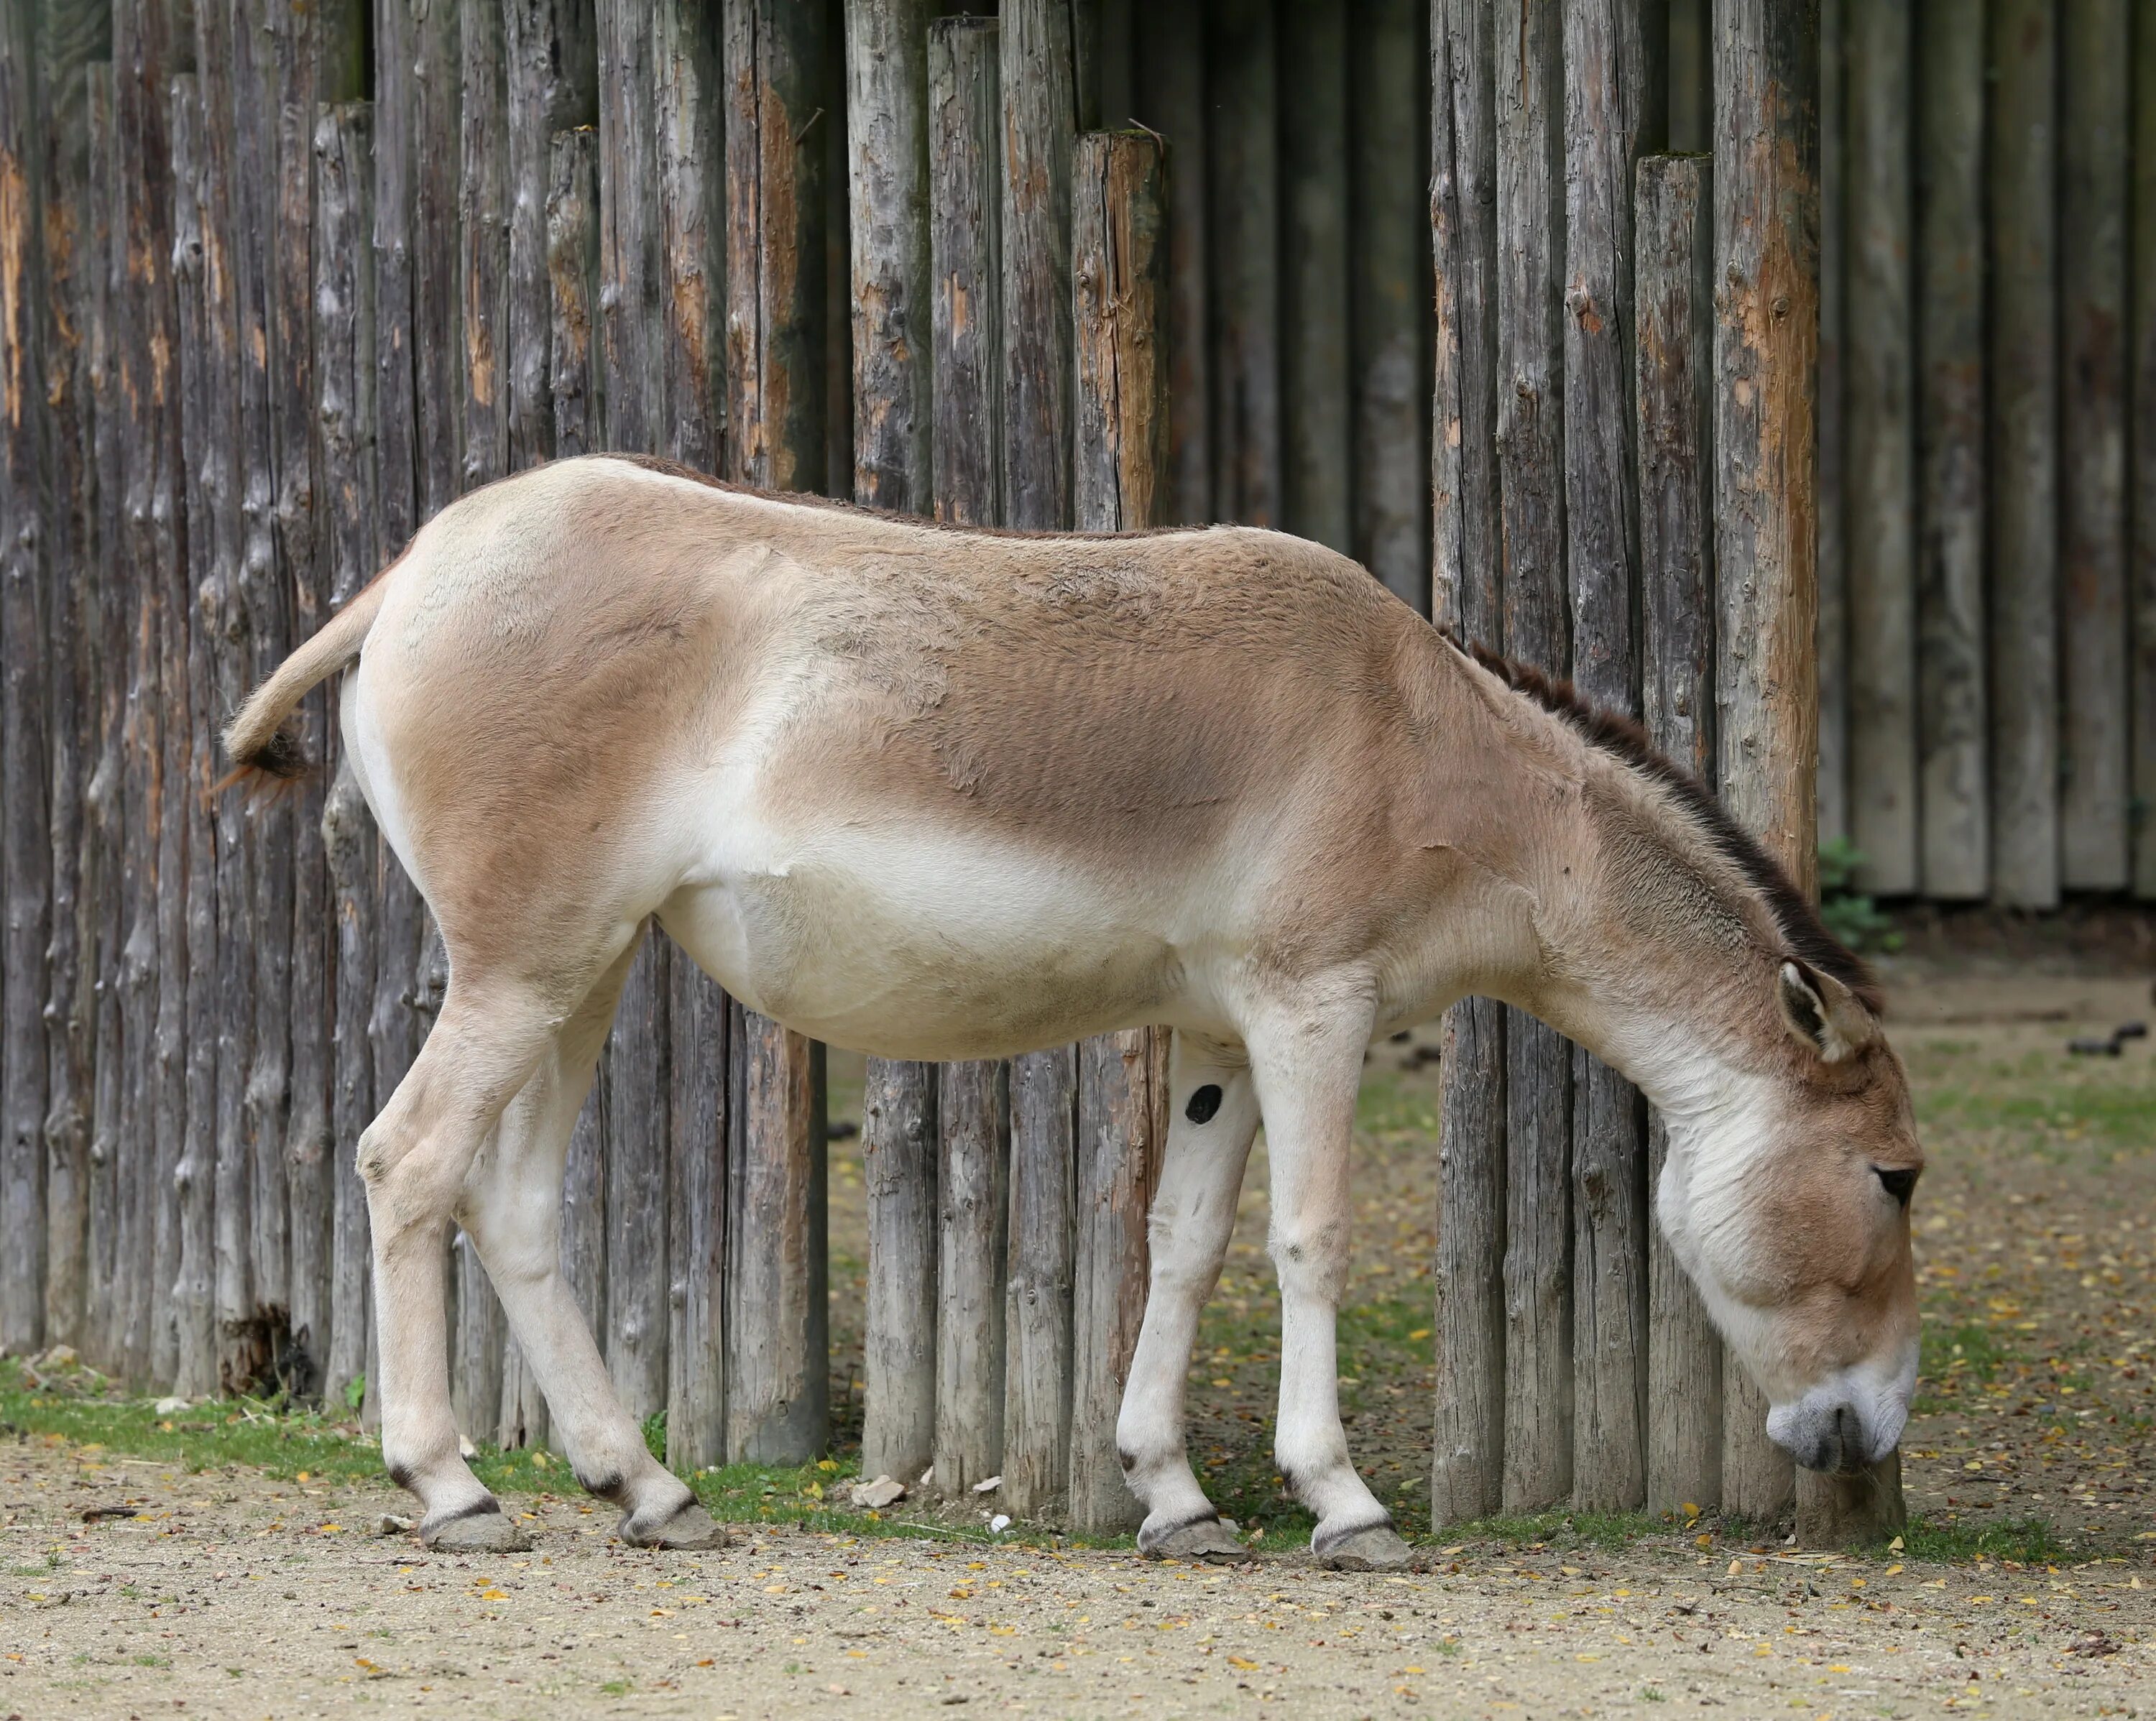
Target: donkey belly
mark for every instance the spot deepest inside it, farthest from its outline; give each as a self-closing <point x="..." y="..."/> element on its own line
<point x="920" y="943"/>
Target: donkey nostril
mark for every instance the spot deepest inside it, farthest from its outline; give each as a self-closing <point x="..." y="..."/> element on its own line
<point x="1849" y="1439"/>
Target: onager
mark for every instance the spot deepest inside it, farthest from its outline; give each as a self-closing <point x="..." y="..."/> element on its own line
<point x="935" y="793"/>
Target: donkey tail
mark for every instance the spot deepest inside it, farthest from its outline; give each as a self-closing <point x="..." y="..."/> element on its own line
<point x="260" y="741"/>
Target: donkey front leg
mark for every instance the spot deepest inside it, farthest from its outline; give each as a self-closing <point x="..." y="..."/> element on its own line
<point x="415" y="1157"/>
<point x="513" y="1209"/>
<point x="1307" y="1067"/>
<point x="1193" y="1214"/>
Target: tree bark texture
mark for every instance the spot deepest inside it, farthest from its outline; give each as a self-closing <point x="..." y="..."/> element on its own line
<point x="1171" y="73"/>
<point x="2095" y="633"/>
<point x="1392" y="292"/>
<point x="1039" y="100"/>
<point x="1315" y="295"/>
<point x="2022" y="380"/>
<point x="1673" y="312"/>
<point x="1766" y="241"/>
<point x="1243" y="237"/>
<point x="1468" y="1464"/>
<point x="2143" y="439"/>
<point x="972" y="1107"/>
<point x="1954" y="800"/>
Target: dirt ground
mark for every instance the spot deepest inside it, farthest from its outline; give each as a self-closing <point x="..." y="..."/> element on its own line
<point x="228" y="1591"/>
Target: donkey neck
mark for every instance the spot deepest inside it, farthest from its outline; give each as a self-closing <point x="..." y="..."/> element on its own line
<point x="1645" y="937"/>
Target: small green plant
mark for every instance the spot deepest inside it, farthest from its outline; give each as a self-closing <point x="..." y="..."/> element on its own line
<point x="617" y="1688"/>
<point x="355" y="1393"/>
<point x="1850" y="915"/>
<point x="1648" y="1694"/>
<point x="654" y="1434"/>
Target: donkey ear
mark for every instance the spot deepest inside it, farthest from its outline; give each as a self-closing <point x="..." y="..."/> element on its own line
<point x="1823" y="1012"/>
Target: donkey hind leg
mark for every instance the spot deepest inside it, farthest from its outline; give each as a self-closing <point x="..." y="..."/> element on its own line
<point x="1307" y="1067"/>
<point x="512" y="1212"/>
<point x="491" y="1035"/>
<point x="1194" y="1214"/>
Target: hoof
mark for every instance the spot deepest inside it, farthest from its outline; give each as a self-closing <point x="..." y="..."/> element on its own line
<point x="689" y="1527"/>
<point x="1208" y="1538"/>
<point x="1373" y="1549"/>
<point x="482" y="1529"/>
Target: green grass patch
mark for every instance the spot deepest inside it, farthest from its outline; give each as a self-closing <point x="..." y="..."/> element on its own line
<point x="2031" y="1542"/>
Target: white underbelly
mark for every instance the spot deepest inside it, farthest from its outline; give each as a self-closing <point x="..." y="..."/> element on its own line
<point x="918" y="942"/>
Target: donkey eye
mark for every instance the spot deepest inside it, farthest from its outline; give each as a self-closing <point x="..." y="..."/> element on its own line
<point x="1898" y="1183"/>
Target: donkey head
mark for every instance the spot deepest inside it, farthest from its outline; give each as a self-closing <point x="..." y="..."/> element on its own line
<point x="1790" y="1209"/>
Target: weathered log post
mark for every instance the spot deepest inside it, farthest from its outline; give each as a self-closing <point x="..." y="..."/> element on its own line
<point x="221" y="625"/>
<point x="1538" y="1401"/>
<point x="573" y="384"/>
<point x="195" y="1296"/>
<point x="307" y="45"/>
<point x="690" y="139"/>
<point x="2143" y="439"/>
<point x="25" y="843"/>
<point x="1170" y="60"/>
<point x="2021" y="378"/>
<point x="1673" y="314"/>
<point x="888" y="84"/>
<point x="1119" y="269"/>
<point x="1833" y="630"/>
<point x="350" y="554"/>
<point x="1953" y="790"/>
<point x="107" y="788"/>
<point x="973" y="1212"/>
<point x="2095" y="54"/>
<point x="1391" y="300"/>
<point x="777" y="1388"/>
<point x="1766" y="240"/>
<point x="1468" y="1465"/>
<point x="640" y="1083"/>
<point x="1037" y="99"/>
<point x="479" y="1341"/>
<point x="1613" y="99"/>
<point x="70" y="36"/>
<point x="1880" y="445"/>
<point x="1316" y="287"/>
<point x="1243" y="232"/>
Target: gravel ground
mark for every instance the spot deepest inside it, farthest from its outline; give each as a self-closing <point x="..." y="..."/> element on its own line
<point x="225" y="1594"/>
<point x="227" y="1591"/>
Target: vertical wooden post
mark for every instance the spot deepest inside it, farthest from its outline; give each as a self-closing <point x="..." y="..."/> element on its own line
<point x="482" y="1335"/>
<point x="1243" y="237"/>
<point x="1039" y="115"/>
<point x="1673" y="308"/>
<point x="70" y="231"/>
<point x="972" y="1109"/>
<point x="1119" y="264"/>
<point x="195" y="1293"/>
<point x="690" y="135"/>
<point x="639" y="1075"/>
<point x="2143" y="441"/>
<point x="573" y="288"/>
<point x="1391" y="300"/>
<point x="1171" y="98"/>
<point x="304" y="44"/>
<point x="1613" y="99"/>
<point x="104" y="790"/>
<point x="775" y="61"/>
<point x="889" y="117"/>
<point x="1468" y="1465"/>
<point x="1530" y="455"/>
<point x="1832" y="578"/>
<point x="1879" y="484"/>
<point x="1316" y="287"/>
<point x="1954" y="805"/>
<point x="345" y="374"/>
<point x="25" y="845"/>
<point x="2095" y="625"/>
<point x="2022" y="380"/>
<point x="1039" y="102"/>
<point x="550" y="46"/>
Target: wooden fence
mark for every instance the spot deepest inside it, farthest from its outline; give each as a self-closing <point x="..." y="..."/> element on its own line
<point x="277" y="282"/>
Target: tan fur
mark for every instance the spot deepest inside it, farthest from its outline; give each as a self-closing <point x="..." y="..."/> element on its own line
<point x="944" y="794"/>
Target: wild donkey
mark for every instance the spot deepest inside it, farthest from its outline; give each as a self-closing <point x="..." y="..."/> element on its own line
<point x="945" y="794"/>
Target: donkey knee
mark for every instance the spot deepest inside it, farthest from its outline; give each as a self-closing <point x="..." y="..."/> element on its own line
<point x="1311" y="1257"/>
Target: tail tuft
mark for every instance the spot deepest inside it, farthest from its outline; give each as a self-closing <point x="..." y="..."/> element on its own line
<point x="283" y="755"/>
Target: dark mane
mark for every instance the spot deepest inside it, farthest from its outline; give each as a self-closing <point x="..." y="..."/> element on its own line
<point x="1804" y="936"/>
